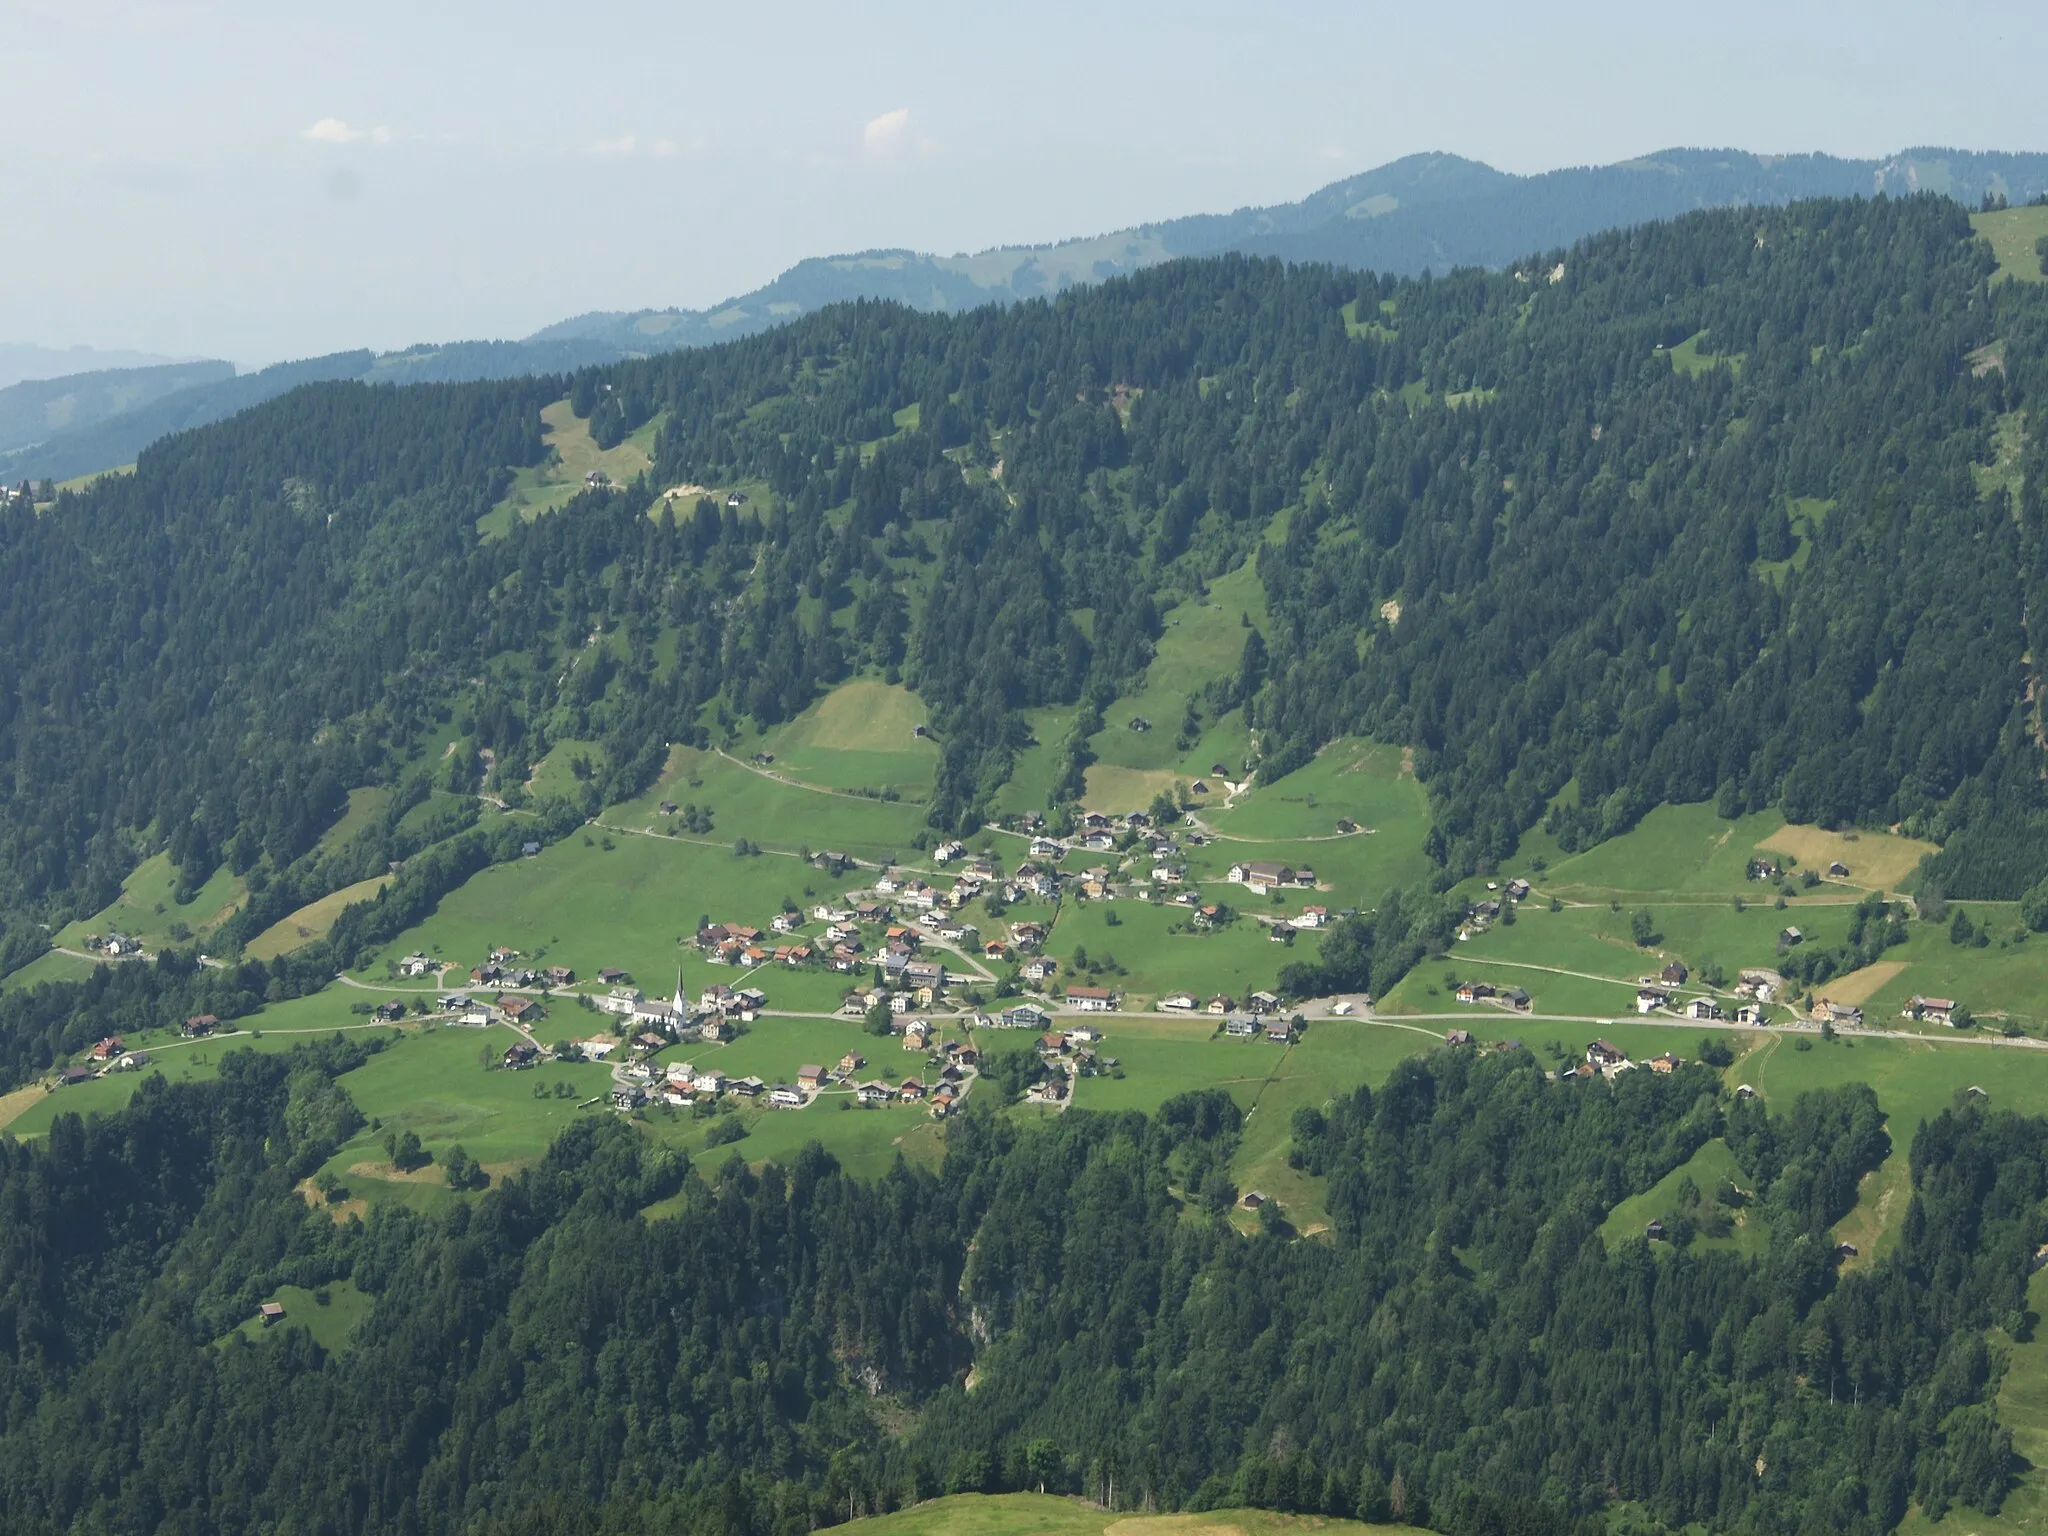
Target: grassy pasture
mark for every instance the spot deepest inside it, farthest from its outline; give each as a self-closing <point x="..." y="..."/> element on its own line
<point x="861" y="735"/>
<point x="548" y="486"/>
<point x="1238" y="959"/>
<point x="180" y="1061"/>
<point x="1016" y="1514"/>
<point x="147" y="907"/>
<point x="632" y="906"/>
<point x="773" y="812"/>
<point x="1687" y="850"/>
<point x="2012" y="233"/>
<point x="331" y="1325"/>
<point x="1706" y="1168"/>
<point x="1203" y="639"/>
<point x="49" y="966"/>
<point x="311" y="921"/>
<point x="434" y="1082"/>
<point x="365" y="806"/>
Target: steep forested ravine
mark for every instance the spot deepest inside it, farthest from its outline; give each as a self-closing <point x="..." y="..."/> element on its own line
<point x="1061" y="1304"/>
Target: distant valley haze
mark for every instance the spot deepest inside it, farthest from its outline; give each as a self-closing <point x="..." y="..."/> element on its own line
<point x="257" y="185"/>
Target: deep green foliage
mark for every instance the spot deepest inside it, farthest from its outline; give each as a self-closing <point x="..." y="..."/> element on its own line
<point x="1462" y="1352"/>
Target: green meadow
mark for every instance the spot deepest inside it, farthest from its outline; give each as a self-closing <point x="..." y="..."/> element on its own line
<point x="148" y="908"/>
<point x="2013" y="233"/>
<point x="548" y="486"/>
<point x="1035" y="1514"/>
<point x="862" y="735"/>
<point x="330" y="1315"/>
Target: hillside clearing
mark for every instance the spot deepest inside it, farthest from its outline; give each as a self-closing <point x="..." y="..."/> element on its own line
<point x="312" y="921"/>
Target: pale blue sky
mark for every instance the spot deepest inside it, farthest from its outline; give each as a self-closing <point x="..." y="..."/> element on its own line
<point x="259" y="179"/>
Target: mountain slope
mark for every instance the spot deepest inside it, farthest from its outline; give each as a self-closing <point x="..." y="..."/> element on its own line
<point x="23" y="360"/>
<point x="37" y="409"/>
<point x="1428" y="211"/>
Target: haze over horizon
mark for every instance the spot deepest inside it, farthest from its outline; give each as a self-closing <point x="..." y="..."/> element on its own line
<point x="258" y="186"/>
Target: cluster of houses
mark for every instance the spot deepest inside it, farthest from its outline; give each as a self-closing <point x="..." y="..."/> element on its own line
<point x="1486" y="992"/>
<point x="1482" y="914"/>
<point x="115" y="946"/>
<point x="107" y="1055"/>
<point x="502" y="969"/>
<point x="1604" y="1059"/>
<point x="1262" y="876"/>
<point x="682" y="1084"/>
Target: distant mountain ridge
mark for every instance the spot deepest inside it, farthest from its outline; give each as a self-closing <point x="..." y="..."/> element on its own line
<point x="1430" y="211"/>
<point x="1427" y="211"/>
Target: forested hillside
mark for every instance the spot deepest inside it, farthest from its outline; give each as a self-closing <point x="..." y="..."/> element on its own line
<point x="1703" y="510"/>
<point x="1062" y="1307"/>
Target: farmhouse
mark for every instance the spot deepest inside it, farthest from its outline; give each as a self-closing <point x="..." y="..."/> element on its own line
<point x="810" y="1078"/>
<point x="1601" y="1054"/>
<point x="1261" y="875"/>
<point x="1279" y="1030"/>
<point x="199" y="1024"/>
<point x="1312" y="917"/>
<point x="1458" y="1037"/>
<point x="106" y="1049"/>
<point x="1474" y="991"/>
<point x="1675" y="974"/>
<point x="1935" y="1010"/>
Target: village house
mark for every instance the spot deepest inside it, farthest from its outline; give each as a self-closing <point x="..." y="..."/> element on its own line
<point x="390" y="1011"/>
<point x="947" y="852"/>
<point x="517" y="1009"/>
<point x="1240" y="1026"/>
<point x="867" y="1095"/>
<point x="271" y="1312"/>
<point x="1279" y="1031"/>
<point x="784" y="1096"/>
<point x="199" y="1024"/>
<point x="1840" y="1015"/>
<point x="1649" y="999"/>
<point x="520" y="1054"/>
<point x="786" y="922"/>
<point x="1605" y="1056"/>
<point x="851" y="1063"/>
<point x="810" y="1077"/>
<point x="1674" y="974"/>
<point x="916" y="1034"/>
<point x="1934" y="1010"/>
<point x="106" y="1049"/>
<point x="1518" y="890"/>
<point x="1220" y="1003"/>
<point x="1457" y="1037"/>
<point x="1092" y="999"/>
<point x="1752" y="1014"/>
<point x="1704" y="1008"/>
<point x="746" y="1088"/>
<point x="417" y="964"/>
<point x="1312" y="917"/>
<point x="1664" y="1064"/>
<point x="628" y="1096"/>
<point x="1262" y="1002"/>
<point x="1179" y="1002"/>
<point x="1024" y="1016"/>
<point x="1261" y="875"/>
<point x="1474" y="991"/>
<point x="910" y="1090"/>
<point x="1516" y="998"/>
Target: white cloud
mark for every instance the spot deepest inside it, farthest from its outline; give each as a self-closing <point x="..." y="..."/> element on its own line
<point x="885" y="137"/>
<point x="620" y="148"/>
<point x="333" y="130"/>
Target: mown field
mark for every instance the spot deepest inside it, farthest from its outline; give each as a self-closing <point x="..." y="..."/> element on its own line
<point x="1032" y="1514"/>
<point x="548" y="486"/>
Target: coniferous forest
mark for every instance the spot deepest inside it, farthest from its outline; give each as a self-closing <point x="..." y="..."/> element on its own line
<point x="1694" y="512"/>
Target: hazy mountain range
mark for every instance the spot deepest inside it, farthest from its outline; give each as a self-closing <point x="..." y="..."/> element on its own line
<point x="1429" y="211"/>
